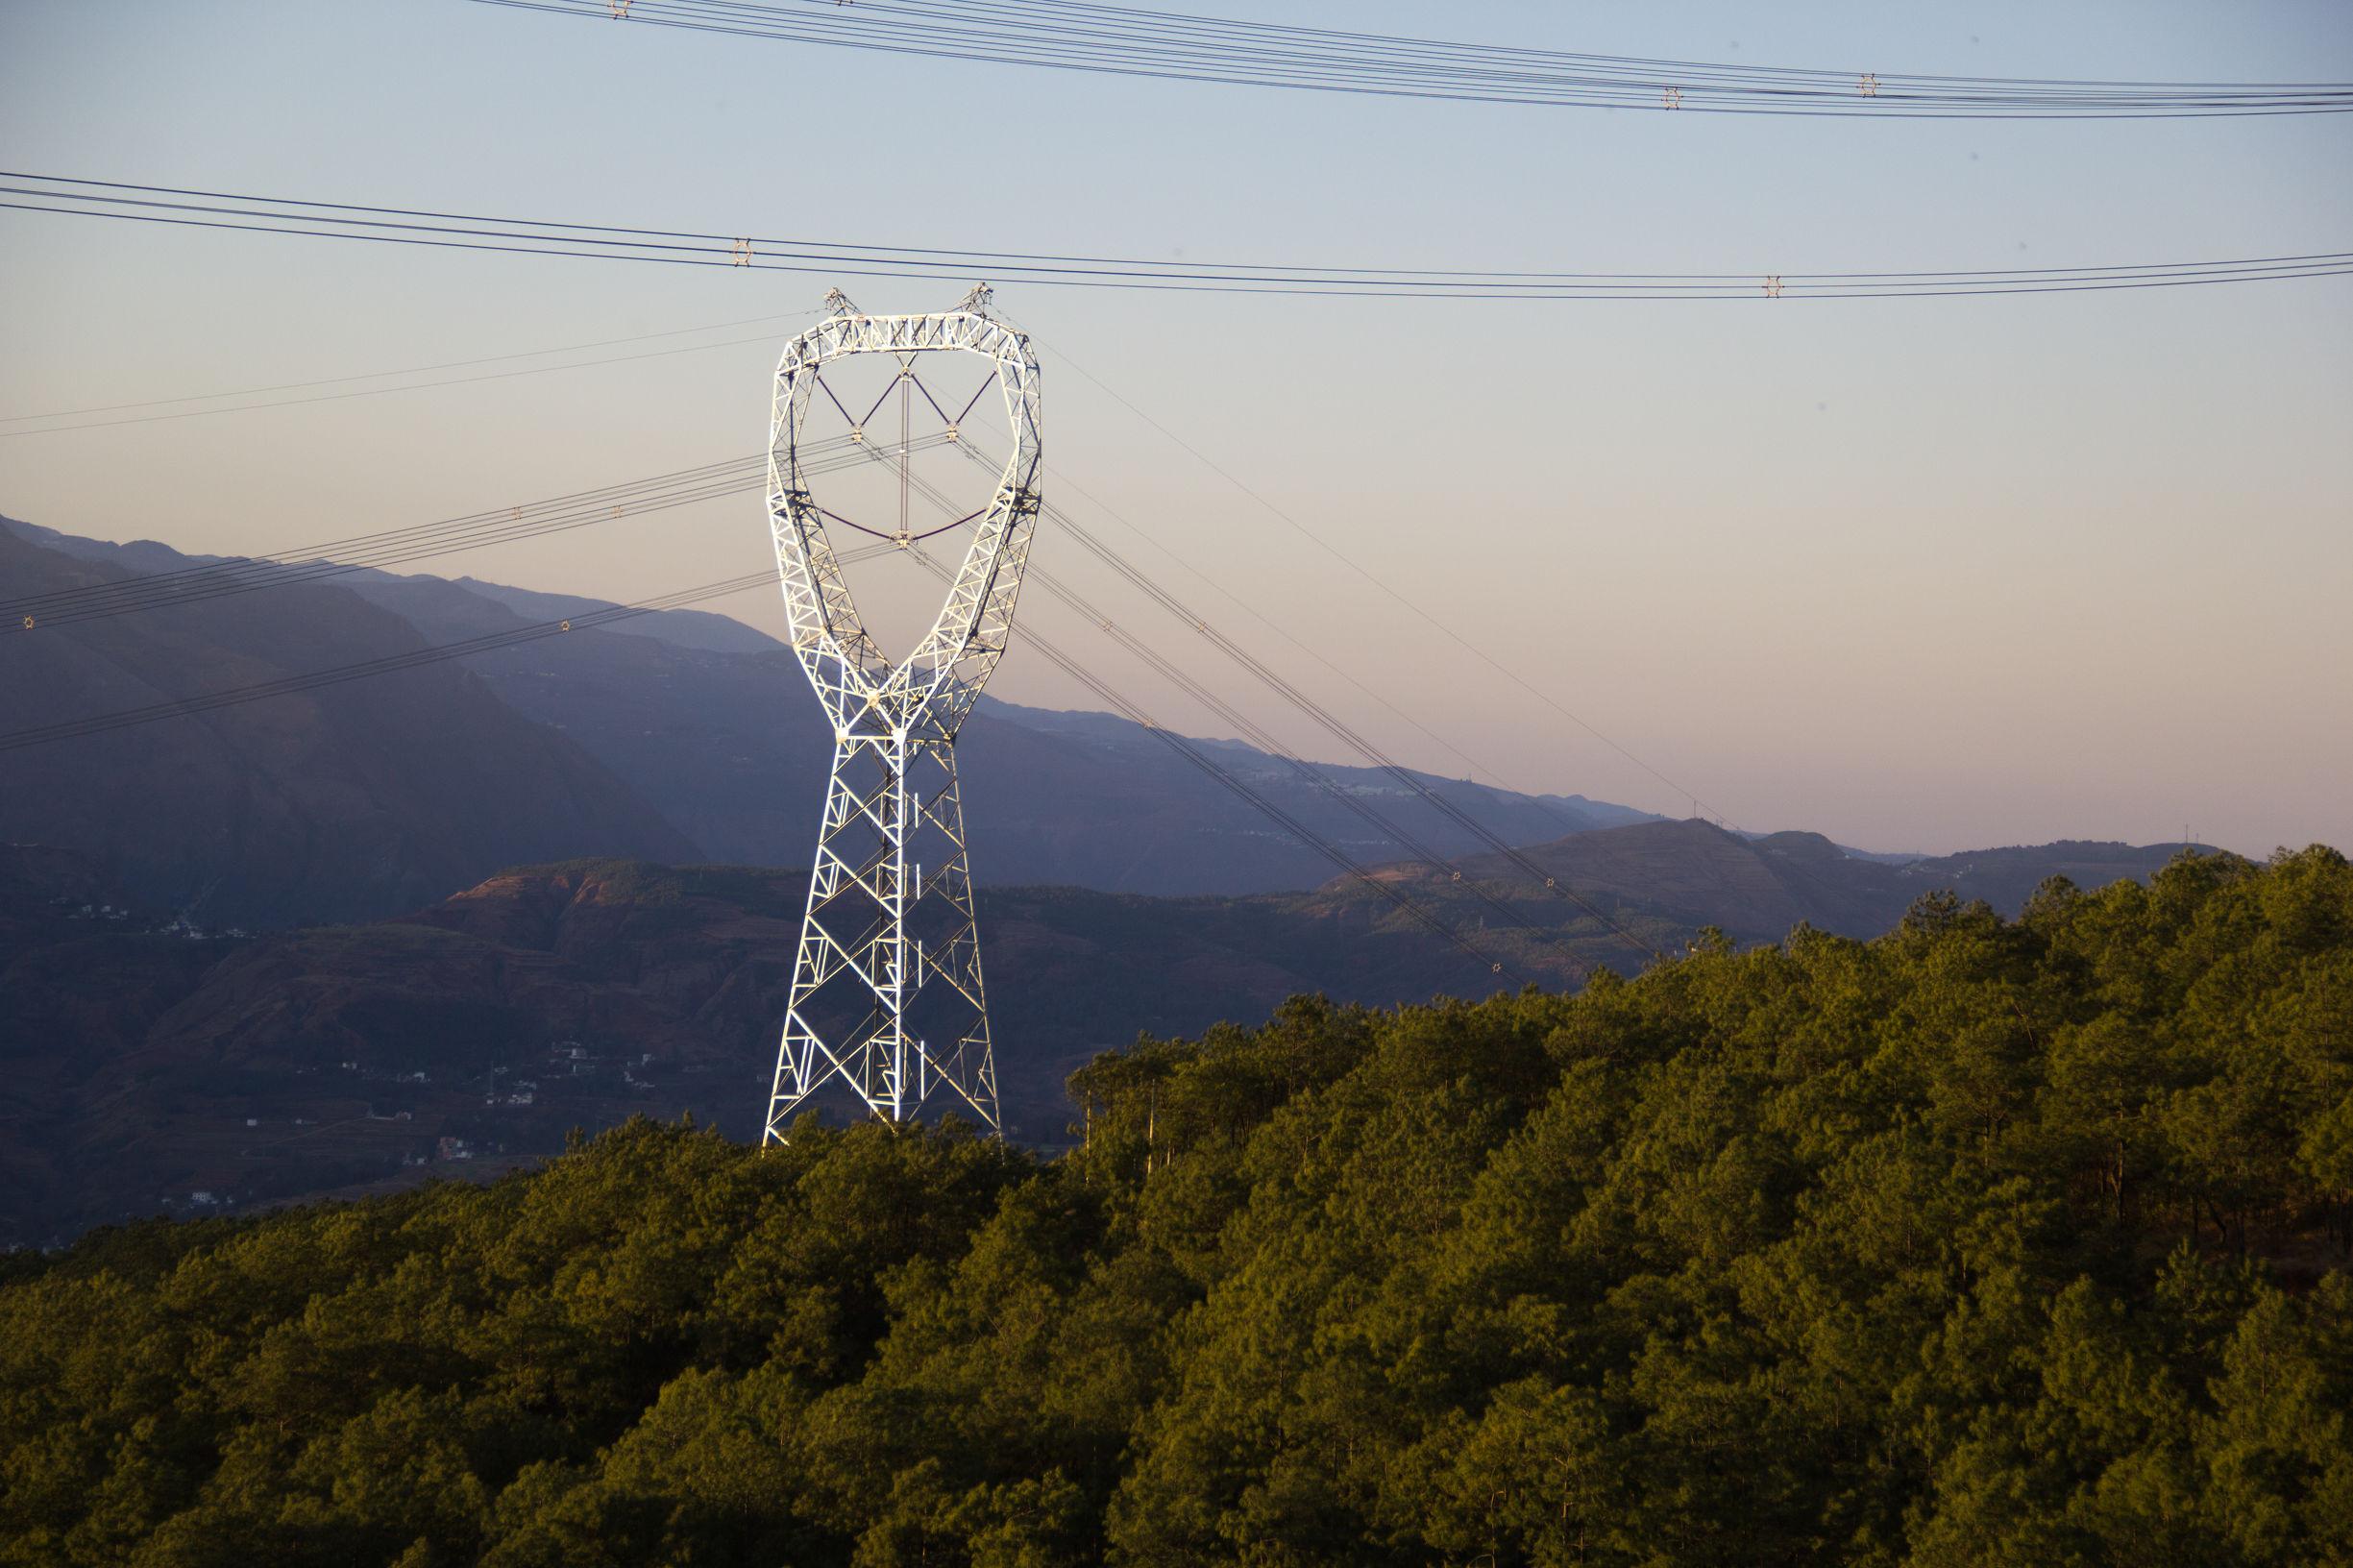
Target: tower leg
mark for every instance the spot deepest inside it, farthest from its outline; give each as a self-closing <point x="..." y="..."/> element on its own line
<point x="853" y="958"/>
<point x="887" y="992"/>
<point x="958" y="1064"/>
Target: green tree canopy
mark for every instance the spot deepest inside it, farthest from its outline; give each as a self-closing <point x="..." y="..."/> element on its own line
<point x="1982" y="1242"/>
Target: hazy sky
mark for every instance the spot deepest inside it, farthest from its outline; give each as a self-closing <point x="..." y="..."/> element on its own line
<point x="1917" y="574"/>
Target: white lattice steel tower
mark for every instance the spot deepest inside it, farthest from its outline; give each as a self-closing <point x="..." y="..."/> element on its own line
<point x="886" y="992"/>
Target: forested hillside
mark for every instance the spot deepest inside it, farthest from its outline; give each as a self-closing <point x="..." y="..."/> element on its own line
<point x="1980" y="1242"/>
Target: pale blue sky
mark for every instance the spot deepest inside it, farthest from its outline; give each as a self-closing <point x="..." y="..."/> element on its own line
<point x="1917" y="574"/>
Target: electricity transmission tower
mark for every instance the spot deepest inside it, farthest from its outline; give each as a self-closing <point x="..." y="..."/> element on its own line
<point x="886" y="992"/>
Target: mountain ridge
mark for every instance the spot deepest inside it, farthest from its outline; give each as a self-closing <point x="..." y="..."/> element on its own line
<point x="332" y="803"/>
<point x="709" y="724"/>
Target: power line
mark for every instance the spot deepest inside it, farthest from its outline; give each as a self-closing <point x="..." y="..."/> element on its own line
<point x="409" y="659"/>
<point x="1068" y="35"/>
<point x="1063" y="481"/>
<point x="1267" y="677"/>
<point x="1460" y="641"/>
<point x="1267" y="743"/>
<point x="207" y="581"/>
<point x="422" y="370"/>
<point x="1258" y="670"/>
<point x="366" y="392"/>
<point x="211" y="579"/>
<point x="406" y="226"/>
<point x="1134" y="714"/>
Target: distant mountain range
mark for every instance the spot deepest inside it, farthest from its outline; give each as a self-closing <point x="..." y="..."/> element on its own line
<point x="403" y="988"/>
<point x="142" y="1065"/>
<point x="675" y="736"/>
<point x="352" y="800"/>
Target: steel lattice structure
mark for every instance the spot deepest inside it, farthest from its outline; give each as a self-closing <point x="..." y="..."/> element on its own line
<point x="890" y="930"/>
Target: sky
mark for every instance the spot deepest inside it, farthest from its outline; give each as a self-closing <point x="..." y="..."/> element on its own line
<point x="1921" y="575"/>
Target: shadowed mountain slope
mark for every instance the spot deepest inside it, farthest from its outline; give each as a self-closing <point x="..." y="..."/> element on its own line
<point x="729" y="742"/>
<point x="708" y="723"/>
<point x="348" y="800"/>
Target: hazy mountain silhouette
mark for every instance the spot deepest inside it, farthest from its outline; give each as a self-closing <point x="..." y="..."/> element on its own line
<point x="680" y="735"/>
<point x="349" y="801"/>
<point x="722" y="734"/>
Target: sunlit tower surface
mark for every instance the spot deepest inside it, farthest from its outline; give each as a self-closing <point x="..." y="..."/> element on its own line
<point x="887" y="994"/>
